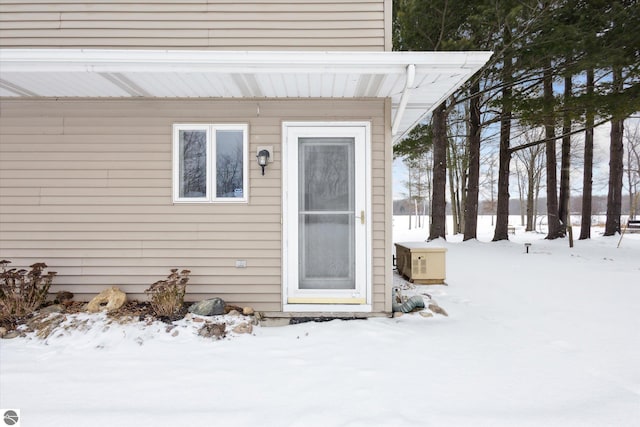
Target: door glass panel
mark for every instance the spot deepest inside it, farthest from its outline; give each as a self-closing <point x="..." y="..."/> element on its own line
<point x="326" y="213"/>
<point x="327" y="177"/>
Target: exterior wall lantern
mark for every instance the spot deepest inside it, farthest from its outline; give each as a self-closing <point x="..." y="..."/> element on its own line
<point x="263" y="158"/>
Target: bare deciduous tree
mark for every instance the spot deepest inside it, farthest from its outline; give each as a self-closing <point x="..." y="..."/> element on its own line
<point x="532" y="160"/>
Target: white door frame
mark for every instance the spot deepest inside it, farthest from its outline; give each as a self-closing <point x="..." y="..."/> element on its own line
<point x="289" y="225"/>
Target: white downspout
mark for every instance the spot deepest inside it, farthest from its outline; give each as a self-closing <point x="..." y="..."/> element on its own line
<point x="408" y="84"/>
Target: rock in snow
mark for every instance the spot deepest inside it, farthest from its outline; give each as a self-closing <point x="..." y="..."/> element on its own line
<point x="216" y="330"/>
<point x="208" y="307"/>
<point x="437" y="309"/>
<point x="110" y="299"/>
<point x="243" y="328"/>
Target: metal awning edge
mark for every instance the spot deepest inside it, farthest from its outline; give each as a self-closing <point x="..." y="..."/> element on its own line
<point x="125" y="59"/>
<point x="117" y="62"/>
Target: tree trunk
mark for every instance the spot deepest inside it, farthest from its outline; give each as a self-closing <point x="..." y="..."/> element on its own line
<point x="462" y="192"/>
<point x="473" y="185"/>
<point x="565" y="161"/>
<point x="452" y="186"/>
<point x="630" y="184"/>
<point x="419" y="195"/>
<point x="553" y="222"/>
<point x="587" y="179"/>
<point x="410" y="186"/>
<point x="633" y="158"/>
<point x="614" y="197"/>
<point x="535" y="202"/>
<point x="531" y="225"/>
<point x="616" y="159"/>
<point x="502" y="211"/>
<point x="438" y="201"/>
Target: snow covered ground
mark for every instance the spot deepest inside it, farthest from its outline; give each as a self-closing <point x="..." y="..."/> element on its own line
<point x="549" y="338"/>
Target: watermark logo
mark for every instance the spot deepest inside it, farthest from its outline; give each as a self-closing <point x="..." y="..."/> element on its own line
<point x="10" y="417"/>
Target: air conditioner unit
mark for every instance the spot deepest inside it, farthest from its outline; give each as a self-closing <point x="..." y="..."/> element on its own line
<point x="420" y="264"/>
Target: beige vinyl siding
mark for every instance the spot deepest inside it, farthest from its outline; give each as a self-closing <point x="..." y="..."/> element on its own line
<point x="198" y="24"/>
<point x="85" y="186"/>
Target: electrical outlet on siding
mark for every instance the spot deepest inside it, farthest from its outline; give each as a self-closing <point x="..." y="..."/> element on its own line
<point x="241" y="263"/>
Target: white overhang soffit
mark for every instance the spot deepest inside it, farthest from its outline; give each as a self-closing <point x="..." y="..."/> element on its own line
<point x="416" y="82"/>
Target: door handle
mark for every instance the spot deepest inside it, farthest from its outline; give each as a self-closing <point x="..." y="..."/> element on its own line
<point x="362" y="217"/>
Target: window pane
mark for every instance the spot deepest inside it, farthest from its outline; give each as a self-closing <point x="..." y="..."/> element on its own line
<point x="229" y="163"/>
<point x="193" y="163"/>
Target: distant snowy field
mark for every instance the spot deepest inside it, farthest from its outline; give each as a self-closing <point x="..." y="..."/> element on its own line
<point x="549" y="338"/>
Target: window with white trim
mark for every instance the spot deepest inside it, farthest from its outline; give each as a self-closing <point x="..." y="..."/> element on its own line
<point x="210" y="163"/>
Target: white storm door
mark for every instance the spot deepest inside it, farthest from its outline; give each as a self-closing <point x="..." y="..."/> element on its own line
<point x="326" y="214"/>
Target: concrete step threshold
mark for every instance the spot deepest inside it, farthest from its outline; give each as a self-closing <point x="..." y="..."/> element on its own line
<point x="276" y="318"/>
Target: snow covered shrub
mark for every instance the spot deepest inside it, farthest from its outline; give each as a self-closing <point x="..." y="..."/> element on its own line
<point x="167" y="296"/>
<point x="22" y="291"/>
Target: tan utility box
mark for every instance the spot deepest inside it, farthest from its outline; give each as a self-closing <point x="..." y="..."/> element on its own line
<point x="421" y="265"/>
